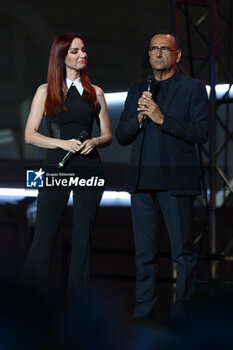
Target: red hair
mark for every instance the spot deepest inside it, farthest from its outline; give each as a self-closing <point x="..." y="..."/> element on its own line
<point x="57" y="90"/>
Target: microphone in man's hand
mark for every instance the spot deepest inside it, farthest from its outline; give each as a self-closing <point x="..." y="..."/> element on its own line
<point x="149" y="82"/>
<point x="82" y="137"/>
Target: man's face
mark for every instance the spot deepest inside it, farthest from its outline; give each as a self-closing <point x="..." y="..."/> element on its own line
<point x="163" y="59"/>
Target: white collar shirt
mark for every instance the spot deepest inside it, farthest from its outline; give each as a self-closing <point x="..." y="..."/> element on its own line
<point x="77" y="83"/>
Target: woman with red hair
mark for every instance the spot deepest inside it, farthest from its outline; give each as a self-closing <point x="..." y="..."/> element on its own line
<point x="70" y="103"/>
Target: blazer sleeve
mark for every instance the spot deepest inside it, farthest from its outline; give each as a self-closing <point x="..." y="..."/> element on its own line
<point x="128" y="126"/>
<point x="194" y="127"/>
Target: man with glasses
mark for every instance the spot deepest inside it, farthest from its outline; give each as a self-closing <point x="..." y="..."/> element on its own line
<point x="164" y="117"/>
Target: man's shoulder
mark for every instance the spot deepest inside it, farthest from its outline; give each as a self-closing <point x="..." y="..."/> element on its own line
<point x="138" y="84"/>
<point x="192" y="86"/>
<point x="185" y="79"/>
<point x="136" y="88"/>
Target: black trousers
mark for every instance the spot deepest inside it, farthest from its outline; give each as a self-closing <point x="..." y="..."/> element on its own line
<point x="177" y="212"/>
<point x="50" y="207"/>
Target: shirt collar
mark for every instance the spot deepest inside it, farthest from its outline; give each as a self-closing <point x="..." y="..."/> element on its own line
<point x="77" y="83"/>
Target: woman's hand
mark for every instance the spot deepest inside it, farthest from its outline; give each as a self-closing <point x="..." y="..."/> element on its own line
<point x="88" y="145"/>
<point x="72" y="145"/>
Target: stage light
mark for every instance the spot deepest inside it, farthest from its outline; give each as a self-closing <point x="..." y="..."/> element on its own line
<point x="221" y="90"/>
<point x="110" y="198"/>
<point x="116" y="97"/>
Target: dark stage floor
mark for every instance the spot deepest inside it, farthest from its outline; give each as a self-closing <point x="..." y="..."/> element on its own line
<point x="112" y="257"/>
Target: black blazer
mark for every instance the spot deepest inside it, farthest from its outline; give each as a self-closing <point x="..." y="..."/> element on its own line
<point x="185" y="123"/>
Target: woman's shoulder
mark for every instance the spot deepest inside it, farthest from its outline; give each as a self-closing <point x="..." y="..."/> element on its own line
<point x="41" y="92"/>
<point x="42" y="89"/>
<point x="98" y="90"/>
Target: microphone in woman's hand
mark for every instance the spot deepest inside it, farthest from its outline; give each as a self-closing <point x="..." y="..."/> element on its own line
<point x="82" y="137"/>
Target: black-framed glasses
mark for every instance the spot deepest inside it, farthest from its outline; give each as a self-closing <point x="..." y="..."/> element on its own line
<point x="163" y="49"/>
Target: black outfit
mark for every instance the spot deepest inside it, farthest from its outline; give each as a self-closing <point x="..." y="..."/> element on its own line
<point x="67" y="124"/>
<point x="163" y="175"/>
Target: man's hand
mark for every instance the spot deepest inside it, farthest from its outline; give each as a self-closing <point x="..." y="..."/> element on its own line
<point x="147" y="106"/>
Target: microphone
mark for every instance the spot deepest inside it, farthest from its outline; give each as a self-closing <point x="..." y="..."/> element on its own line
<point x="82" y="137"/>
<point x="149" y="81"/>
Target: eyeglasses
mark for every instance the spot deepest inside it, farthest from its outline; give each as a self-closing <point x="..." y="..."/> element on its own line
<point x="163" y="49"/>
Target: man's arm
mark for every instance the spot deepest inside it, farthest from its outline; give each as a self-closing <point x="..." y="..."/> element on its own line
<point x="128" y="126"/>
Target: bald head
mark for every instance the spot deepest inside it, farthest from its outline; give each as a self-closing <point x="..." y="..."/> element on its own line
<point x="169" y="37"/>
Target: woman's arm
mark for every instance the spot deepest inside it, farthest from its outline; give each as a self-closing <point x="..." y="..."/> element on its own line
<point x="105" y="138"/>
<point x="33" y="137"/>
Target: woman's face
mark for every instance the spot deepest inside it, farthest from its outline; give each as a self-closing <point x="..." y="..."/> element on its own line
<point x="76" y="57"/>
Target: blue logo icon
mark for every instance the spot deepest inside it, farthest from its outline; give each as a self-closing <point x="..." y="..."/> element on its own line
<point x="35" y="178"/>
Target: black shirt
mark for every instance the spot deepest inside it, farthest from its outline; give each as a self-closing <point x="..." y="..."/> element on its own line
<point x="151" y="175"/>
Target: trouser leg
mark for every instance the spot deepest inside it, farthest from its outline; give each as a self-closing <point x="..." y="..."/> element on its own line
<point x="177" y="212"/>
<point x="85" y="204"/>
<point x="50" y="207"/>
<point x="145" y="215"/>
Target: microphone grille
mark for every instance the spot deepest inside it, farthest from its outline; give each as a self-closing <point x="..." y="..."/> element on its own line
<point x="83" y="135"/>
<point x="150" y="78"/>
